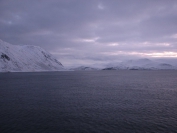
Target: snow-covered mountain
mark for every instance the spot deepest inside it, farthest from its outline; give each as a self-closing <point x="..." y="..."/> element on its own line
<point x="141" y="64"/>
<point x="136" y="64"/>
<point x="27" y="58"/>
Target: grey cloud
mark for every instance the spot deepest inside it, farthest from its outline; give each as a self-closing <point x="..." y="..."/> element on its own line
<point x="59" y="25"/>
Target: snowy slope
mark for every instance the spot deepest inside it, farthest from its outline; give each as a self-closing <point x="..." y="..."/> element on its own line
<point x="27" y="58"/>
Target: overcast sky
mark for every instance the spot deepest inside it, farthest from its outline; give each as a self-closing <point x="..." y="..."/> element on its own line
<point x="85" y="32"/>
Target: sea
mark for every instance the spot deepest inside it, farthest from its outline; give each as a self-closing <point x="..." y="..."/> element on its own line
<point x="122" y="101"/>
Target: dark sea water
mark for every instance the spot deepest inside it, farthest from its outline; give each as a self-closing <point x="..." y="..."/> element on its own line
<point x="89" y="101"/>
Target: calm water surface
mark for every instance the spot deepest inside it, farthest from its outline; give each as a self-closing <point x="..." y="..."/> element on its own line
<point x="94" y="101"/>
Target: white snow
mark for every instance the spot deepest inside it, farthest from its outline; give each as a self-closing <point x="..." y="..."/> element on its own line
<point x="26" y="58"/>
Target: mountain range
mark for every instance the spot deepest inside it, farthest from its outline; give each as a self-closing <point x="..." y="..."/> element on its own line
<point x="136" y="64"/>
<point x="28" y="58"/>
<point x="141" y="64"/>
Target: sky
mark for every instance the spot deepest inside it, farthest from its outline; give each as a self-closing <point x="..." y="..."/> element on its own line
<point x="88" y="32"/>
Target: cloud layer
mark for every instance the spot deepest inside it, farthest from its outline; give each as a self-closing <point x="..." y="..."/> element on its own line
<point x="94" y="31"/>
